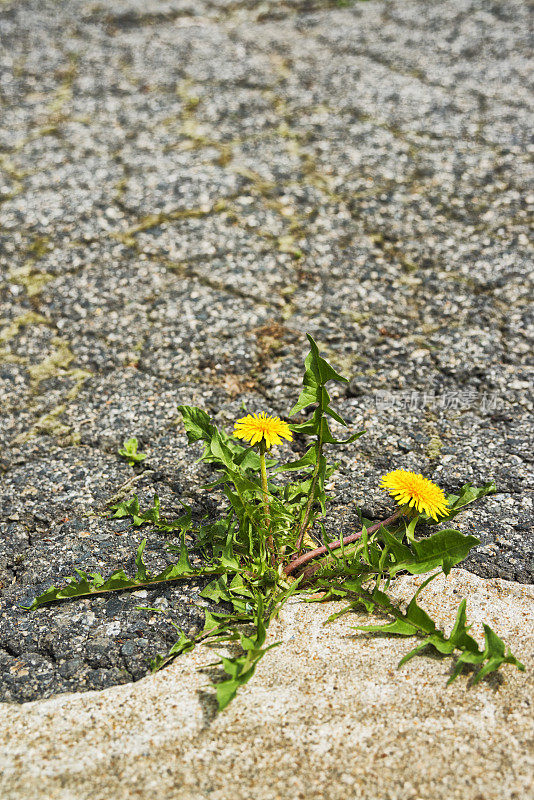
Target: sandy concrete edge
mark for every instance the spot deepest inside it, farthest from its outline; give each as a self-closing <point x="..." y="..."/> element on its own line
<point x="327" y="715"/>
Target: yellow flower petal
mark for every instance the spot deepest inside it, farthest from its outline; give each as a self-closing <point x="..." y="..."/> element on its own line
<point x="409" y="488"/>
<point x="255" y="427"/>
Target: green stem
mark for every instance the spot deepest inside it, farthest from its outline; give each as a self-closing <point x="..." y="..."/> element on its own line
<point x="263" y="470"/>
<point x="311" y="498"/>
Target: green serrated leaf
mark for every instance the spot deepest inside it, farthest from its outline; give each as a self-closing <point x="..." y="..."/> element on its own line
<point x="216" y="590"/>
<point x="419" y="618"/>
<point x="415" y="621"/>
<point x="399" y="628"/>
<point x="127" y="508"/>
<point x="210" y="622"/>
<point x="184" y="565"/>
<point x="443" y="549"/>
<point x="228" y="558"/>
<point x="320" y="368"/>
<point x="309" y="459"/>
<point x="220" y="448"/>
<point x="317" y="373"/>
<point x="183" y="645"/>
<point x="226" y="691"/>
<point x="129" y="451"/>
<point x="197" y="423"/>
<point x="88" y="585"/>
<point x="130" y="508"/>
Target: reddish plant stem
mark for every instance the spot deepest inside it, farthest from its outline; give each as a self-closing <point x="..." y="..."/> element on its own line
<point x="321" y="551"/>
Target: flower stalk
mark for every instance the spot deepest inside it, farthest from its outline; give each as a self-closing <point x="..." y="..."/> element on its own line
<point x="265" y="432"/>
<point x="269" y="541"/>
<point x="263" y="471"/>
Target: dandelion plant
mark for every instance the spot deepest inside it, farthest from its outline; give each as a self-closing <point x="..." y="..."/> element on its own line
<point x="269" y="542"/>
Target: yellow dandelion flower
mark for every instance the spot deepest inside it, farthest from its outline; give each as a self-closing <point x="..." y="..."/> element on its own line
<point x="255" y="427"/>
<point x="411" y="489"/>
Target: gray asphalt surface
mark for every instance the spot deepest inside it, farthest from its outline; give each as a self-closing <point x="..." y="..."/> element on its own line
<point x="186" y="188"/>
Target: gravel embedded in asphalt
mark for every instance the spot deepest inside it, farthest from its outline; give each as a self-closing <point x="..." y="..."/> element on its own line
<point x="186" y="189"/>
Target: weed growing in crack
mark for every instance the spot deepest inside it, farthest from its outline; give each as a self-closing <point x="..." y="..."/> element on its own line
<point x="129" y="451"/>
<point x="262" y="550"/>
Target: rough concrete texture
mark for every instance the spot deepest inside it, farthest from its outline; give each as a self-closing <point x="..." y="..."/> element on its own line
<point x="327" y="716"/>
<point x="186" y="188"/>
